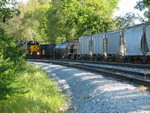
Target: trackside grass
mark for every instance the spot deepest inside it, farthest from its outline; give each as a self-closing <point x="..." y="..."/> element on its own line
<point x="37" y="94"/>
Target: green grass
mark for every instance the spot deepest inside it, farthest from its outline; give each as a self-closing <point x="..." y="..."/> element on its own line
<point x="37" y="94"/>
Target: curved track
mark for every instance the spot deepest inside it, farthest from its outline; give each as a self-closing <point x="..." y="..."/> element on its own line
<point x="136" y="73"/>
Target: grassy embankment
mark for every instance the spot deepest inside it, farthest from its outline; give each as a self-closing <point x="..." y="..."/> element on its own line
<point x="37" y="94"/>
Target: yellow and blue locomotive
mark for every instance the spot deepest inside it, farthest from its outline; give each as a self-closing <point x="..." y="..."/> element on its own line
<point x="32" y="49"/>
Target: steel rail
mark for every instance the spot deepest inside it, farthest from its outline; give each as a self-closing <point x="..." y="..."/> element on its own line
<point x="117" y="73"/>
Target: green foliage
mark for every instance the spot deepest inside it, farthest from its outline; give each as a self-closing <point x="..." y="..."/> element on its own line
<point x="40" y="14"/>
<point x="31" y="24"/>
<point x="6" y="12"/>
<point x="10" y="55"/>
<point x="32" y="21"/>
<point x="10" y="61"/>
<point x="62" y="20"/>
<point x="42" y="95"/>
<point x="69" y="19"/>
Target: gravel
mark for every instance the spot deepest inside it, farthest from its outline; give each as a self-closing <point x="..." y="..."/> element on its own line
<point x="95" y="93"/>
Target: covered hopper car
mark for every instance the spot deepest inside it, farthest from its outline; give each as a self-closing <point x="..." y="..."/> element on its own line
<point x="127" y="45"/>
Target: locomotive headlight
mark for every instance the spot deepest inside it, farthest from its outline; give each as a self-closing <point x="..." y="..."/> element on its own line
<point x="38" y="53"/>
<point x="31" y="53"/>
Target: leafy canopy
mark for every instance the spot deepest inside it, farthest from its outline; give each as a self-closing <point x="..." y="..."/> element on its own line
<point x="69" y="19"/>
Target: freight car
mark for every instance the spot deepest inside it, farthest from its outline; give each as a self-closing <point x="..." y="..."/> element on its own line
<point x="31" y="48"/>
<point x="69" y="49"/>
<point x="92" y="47"/>
<point x="48" y="50"/>
<point x="61" y="50"/>
<point x="127" y="45"/>
<point x="73" y="49"/>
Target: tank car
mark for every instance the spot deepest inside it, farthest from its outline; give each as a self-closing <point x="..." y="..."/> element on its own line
<point x="61" y="50"/>
<point x="32" y="49"/>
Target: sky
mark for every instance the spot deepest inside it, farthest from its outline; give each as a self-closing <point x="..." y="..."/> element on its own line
<point x="126" y="6"/>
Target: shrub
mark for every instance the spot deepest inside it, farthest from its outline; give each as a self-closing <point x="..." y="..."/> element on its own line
<point x="10" y="62"/>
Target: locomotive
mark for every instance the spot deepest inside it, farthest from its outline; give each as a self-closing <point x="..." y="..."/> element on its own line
<point x="31" y="48"/>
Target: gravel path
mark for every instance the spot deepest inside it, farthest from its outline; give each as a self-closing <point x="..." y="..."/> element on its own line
<point x="95" y="93"/>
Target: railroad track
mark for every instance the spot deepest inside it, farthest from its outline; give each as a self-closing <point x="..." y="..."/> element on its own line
<point x="143" y="66"/>
<point x="136" y="73"/>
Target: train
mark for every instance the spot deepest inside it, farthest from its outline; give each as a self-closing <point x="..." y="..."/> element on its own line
<point x="130" y="44"/>
<point x="32" y="49"/>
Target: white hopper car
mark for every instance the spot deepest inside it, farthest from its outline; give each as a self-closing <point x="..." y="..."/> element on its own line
<point x="128" y="45"/>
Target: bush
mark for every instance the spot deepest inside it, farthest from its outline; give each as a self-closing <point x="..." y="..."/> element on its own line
<point x="10" y="62"/>
<point x="10" y="56"/>
<point x="38" y="93"/>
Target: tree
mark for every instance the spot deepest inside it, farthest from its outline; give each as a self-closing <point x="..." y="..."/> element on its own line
<point x="6" y="11"/>
<point x="31" y="24"/>
<point x="69" y="19"/>
<point x="126" y="21"/>
<point x="144" y="5"/>
<point x="35" y="20"/>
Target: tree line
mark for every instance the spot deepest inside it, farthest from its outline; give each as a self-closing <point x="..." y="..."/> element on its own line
<point x="60" y="20"/>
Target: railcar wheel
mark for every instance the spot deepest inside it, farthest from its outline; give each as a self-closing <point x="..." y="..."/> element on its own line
<point x="122" y="59"/>
<point x="128" y="59"/>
